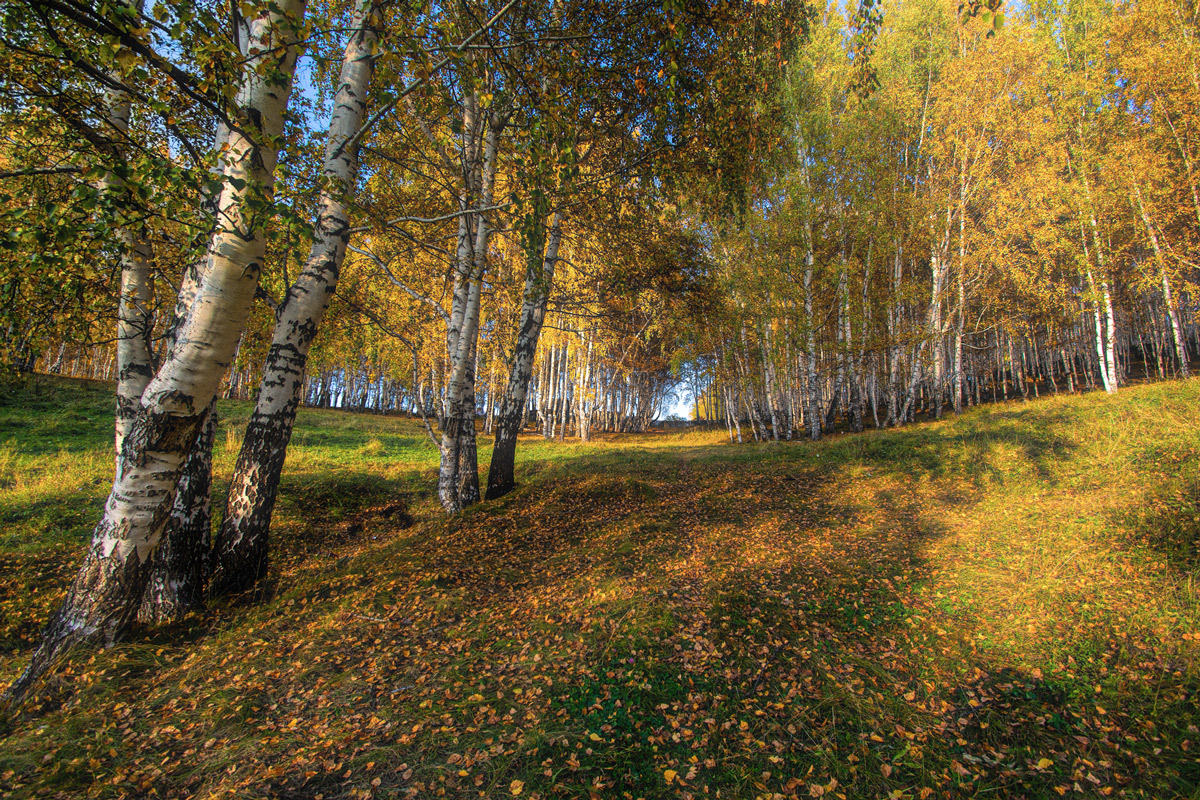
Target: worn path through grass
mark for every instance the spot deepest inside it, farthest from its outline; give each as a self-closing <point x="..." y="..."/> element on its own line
<point x="1003" y="604"/>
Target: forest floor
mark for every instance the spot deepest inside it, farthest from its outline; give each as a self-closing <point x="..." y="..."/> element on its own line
<point x="1004" y="604"/>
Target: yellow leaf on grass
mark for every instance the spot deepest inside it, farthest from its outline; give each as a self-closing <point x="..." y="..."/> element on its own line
<point x="516" y="786"/>
<point x="1045" y="762"/>
<point x="670" y="775"/>
<point x="594" y="737"/>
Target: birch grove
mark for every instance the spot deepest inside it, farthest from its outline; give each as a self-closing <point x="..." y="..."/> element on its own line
<point x="523" y="220"/>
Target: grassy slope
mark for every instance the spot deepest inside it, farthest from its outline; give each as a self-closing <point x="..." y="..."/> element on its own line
<point x="1003" y="604"/>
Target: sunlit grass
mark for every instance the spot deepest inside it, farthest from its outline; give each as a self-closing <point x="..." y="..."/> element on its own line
<point x="1003" y="603"/>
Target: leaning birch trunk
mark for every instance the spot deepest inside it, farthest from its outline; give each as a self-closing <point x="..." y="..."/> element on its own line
<point x="135" y="361"/>
<point x="179" y="566"/>
<point x="538" y="282"/>
<point x="240" y="552"/>
<point x="1168" y="299"/>
<point x="1176" y="327"/>
<point x="102" y="601"/>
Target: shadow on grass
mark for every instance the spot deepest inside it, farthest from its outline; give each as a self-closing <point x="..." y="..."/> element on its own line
<point x="735" y="619"/>
<point x="975" y="448"/>
<point x="678" y="620"/>
<point x="1168" y="523"/>
<point x="73" y="510"/>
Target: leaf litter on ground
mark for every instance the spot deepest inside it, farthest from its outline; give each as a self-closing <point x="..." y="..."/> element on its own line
<point x="1001" y="604"/>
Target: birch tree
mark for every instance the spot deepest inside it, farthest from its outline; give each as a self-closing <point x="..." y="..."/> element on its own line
<point x="103" y="599"/>
<point x="240" y="553"/>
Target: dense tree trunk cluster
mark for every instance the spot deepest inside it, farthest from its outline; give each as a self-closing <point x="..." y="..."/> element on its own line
<point x="157" y="435"/>
<point x="779" y="392"/>
<point x="951" y="240"/>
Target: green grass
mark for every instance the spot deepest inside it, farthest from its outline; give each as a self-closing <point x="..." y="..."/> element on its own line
<point x="1003" y="604"/>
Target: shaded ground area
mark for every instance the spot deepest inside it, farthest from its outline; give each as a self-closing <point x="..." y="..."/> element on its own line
<point x="1003" y="604"/>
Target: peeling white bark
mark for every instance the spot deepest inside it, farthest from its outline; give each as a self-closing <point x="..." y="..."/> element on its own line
<point x="240" y="552"/>
<point x="105" y="594"/>
<point x="135" y="361"/>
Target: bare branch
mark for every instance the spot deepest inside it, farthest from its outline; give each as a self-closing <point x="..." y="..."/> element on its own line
<point x="432" y="220"/>
<point x="23" y="173"/>
<point x="387" y="270"/>
<point x="388" y="107"/>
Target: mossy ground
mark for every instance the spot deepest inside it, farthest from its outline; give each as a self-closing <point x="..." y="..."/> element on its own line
<point x="1003" y="604"/>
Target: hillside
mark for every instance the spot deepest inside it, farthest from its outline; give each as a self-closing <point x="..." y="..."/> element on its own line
<point x="1002" y="604"/>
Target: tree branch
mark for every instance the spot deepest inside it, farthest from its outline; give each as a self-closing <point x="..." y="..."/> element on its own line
<point x="411" y="292"/>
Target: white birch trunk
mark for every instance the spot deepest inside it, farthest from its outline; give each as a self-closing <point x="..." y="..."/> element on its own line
<point x="240" y="554"/>
<point x="458" y="475"/>
<point x="539" y="279"/>
<point x="135" y="360"/>
<point x="1110" y="351"/>
<point x="812" y="414"/>
<point x="582" y="392"/>
<point x="1168" y="298"/>
<point x="103" y="599"/>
